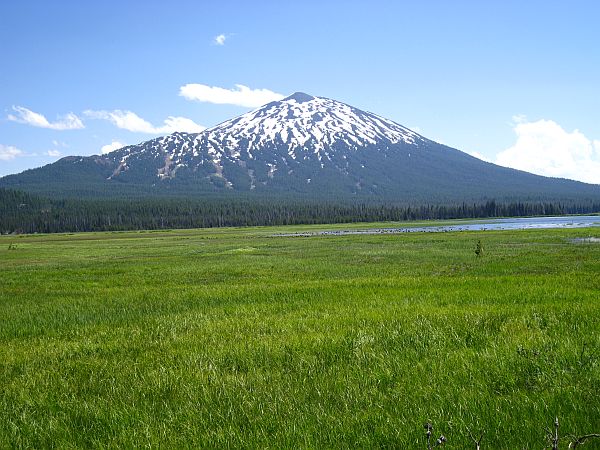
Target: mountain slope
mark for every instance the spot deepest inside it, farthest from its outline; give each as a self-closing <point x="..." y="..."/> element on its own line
<point x="303" y="146"/>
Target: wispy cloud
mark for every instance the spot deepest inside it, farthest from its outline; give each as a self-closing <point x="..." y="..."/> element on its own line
<point x="240" y="96"/>
<point x="519" y="118"/>
<point x="67" y="122"/>
<point x="53" y="153"/>
<point x="128" y="120"/>
<point x="220" y="39"/>
<point x="545" y="148"/>
<point x="8" y="152"/>
<point x="57" y="143"/>
<point x="114" y="145"/>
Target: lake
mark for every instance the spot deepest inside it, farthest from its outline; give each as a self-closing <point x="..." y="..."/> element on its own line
<point x="517" y="223"/>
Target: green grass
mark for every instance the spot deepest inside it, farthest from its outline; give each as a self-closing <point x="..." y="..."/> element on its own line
<point x="233" y="338"/>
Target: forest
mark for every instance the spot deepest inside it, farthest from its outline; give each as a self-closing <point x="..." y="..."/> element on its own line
<point x="22" y="212"/>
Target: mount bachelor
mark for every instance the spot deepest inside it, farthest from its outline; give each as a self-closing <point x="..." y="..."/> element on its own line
<point x="301" y="146"/>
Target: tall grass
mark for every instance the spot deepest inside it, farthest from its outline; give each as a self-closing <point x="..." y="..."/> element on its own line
<point x="234" y="338"/>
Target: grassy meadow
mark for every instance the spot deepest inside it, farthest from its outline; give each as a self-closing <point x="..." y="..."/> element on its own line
<point x="233" y="338"/>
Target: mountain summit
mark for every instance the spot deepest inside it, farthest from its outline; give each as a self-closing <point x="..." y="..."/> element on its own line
<point x="303" y="125"/>
<point x="299" y="97"/>
<point x="303" y="146"/>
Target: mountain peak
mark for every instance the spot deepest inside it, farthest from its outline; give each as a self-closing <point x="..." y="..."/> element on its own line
<point x="300" y="97"/>
<point x="303" y="126"/>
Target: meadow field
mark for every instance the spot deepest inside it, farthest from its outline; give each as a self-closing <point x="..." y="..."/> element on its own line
<point x="233" y="338"/>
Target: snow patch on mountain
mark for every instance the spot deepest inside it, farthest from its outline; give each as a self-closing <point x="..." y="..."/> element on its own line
<point x="301" y="121"/>
<point x="280" y="135"/>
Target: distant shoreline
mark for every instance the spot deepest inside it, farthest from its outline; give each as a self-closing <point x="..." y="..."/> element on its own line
<point x="517" y="223"/>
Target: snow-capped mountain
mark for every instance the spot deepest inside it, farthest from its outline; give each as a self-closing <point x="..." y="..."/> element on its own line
<point x="302" y="122"/>
<point x="301" y="145"/>
<point x="279" y="135"/>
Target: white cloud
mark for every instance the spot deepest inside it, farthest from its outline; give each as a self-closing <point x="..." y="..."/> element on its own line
<point x="545" y="148"/>
<point x="220" y="39"/>
<point x="114" y="145"/>
<point x="240" y="96"/>
<point x="519" y="118"/>
<point x="128" y="120"/>
<point x="479" y="156"/>
<point x="59" y="144"/>
<point x="173" y="124"/>
<point x="8" y="152"/>
<point x="53" y="153"/>
<point x="67" y="122"/>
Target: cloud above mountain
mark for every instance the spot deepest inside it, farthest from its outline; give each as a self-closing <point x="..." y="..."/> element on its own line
<point x="23" y="115"/>
<point x="128" y="120"/>
<point x="114" y="145"/>
<point x="240" y="96"/>
<point x="545" y="148"/>
<point x="8" y="152"/>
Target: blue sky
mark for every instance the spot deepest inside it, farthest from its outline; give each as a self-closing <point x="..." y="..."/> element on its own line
<point x="513" y="82"/>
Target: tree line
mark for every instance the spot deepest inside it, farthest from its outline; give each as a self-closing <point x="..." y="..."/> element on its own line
<point x="21" y="212"/>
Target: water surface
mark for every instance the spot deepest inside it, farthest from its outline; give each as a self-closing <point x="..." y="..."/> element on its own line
<point x="517" y="223"/>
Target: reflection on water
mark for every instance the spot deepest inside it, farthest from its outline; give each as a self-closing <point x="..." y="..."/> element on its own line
<point x="521" y="223"/>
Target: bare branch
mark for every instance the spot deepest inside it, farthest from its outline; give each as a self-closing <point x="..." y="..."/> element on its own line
<point x="577" y="441"/>
<point x="428" y="427"/>
<point x="555" y="438"/>
<point x="477" y="442"/>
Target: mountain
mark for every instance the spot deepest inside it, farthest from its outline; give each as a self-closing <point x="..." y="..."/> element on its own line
<point x="301" y="146"/>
